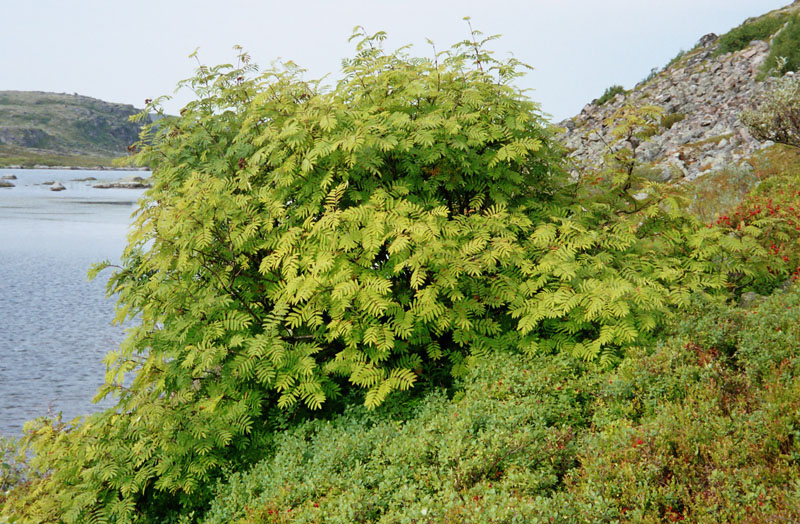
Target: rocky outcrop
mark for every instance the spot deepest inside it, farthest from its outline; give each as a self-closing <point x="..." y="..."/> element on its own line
<point x="707" y="92"/>
<point x="125" y="183"/>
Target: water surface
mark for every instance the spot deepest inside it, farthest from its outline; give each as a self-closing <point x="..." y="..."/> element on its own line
<point x="55" y="325"/>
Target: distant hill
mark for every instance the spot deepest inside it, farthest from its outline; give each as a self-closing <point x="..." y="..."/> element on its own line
<point x="61" y="129"/>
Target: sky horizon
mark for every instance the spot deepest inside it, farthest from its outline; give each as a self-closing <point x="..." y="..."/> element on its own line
<point x="125" y="53"/>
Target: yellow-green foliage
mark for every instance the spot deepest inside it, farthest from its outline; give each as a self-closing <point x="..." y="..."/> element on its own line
<point x="302" y="245"/>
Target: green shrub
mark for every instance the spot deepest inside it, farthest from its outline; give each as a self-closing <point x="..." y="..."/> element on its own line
<point x="677" y="58"/>
<point x="507" y="438"/>
<point x="303" y="249"/>
<point x="705" y="428"/>
<point x="740" y="37"/>
<point x="609" y="94"/>
<point x="776" y="116"/>
<point x="701" y="427"/>
<point x="773" y="208"/>
<point x="669" y="120"/>
<point x="784" y="54"/>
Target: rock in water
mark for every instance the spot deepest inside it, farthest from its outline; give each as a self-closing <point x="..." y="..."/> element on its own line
<point x="57" y="186"/>
<point x="8" y="177"/>
<point x="3" y="183"/>
<point x="125" y="183"/>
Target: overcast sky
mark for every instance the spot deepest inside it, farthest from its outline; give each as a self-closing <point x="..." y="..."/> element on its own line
<point x="128" y="51"/>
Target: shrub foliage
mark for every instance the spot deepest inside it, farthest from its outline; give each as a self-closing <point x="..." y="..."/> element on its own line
<point x="610" y="93"/>
<point x="776" y="116"/>
<point x="701" y="428"/>
<point x="784" y="53"/>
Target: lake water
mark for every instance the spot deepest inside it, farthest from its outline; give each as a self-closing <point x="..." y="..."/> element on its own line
<point x="55" y="325"/>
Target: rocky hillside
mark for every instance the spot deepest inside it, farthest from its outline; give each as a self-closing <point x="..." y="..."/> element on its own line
<point x="60" y="126"/>
<point x="702" y="93"/>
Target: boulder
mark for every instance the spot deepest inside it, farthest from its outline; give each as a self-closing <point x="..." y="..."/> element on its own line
<point x="8" y="177"/>
<point x="57" y="186"/>
<point x="5" y="183"/>
<point x="707" y="40"/>
<point x="126" y="183"/>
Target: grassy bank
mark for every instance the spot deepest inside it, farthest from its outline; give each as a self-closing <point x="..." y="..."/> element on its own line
<point x="29" y="158"/>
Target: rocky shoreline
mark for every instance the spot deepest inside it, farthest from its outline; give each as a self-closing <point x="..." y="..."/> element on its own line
<point x="78" y="168"/>
<point x="130" y="182"/>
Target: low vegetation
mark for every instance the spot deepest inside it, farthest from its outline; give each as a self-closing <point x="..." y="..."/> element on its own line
<point x="718" y="191"/>
<point x="740" y="37"/>
<point x="701" y="427"/>
<point x="670" y="119"/>
<point x="609" y="94"/>
<point x="28" y="158"/>
<point x="784" y="54"/>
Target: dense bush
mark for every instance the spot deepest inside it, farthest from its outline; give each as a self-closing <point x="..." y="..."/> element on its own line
<point x="304" y="249"/>
<point x="776" y="115"/>
<point x="701" y="428"/>
<point x="712" y="428"/>
<point x="507" y="438"/>
<point x="609" y="94"/>
<point x="773" y="208"/>
<point x="740" y="37"/>
<point x="784" y="54"/>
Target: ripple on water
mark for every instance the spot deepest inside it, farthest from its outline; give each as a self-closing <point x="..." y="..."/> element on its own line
<point x="55" y="325"/>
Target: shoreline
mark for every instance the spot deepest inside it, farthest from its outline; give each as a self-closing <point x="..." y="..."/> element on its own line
<point x="77" y="168"/>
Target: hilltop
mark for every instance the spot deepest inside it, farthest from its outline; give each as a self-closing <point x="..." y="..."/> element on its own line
<point x="60" y="129"/>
